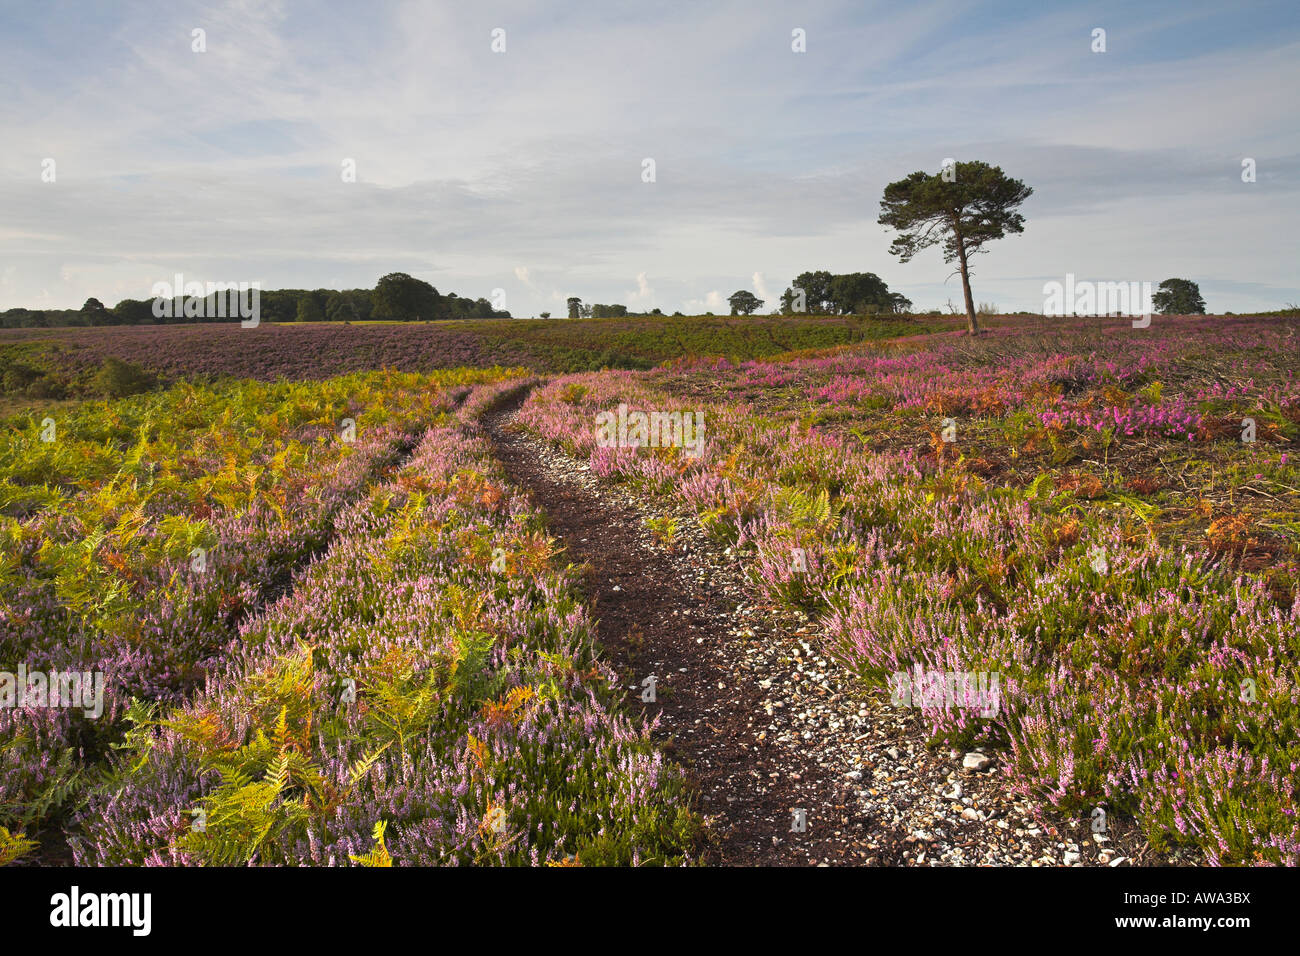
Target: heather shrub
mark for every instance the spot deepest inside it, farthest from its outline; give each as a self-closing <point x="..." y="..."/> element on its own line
<point x="1146" y="642"/>
<point x="428" y="693"/>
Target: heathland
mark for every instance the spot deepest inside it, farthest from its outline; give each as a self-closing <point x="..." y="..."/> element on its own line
<point x="332" y="630"/>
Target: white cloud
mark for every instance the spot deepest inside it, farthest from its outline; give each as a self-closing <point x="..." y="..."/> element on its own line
<point x="713" y="301"/>
<point x="642" y="296"/>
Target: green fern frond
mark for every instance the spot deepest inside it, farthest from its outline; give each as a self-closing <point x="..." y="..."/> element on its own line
<point x="378" y="855"/>
<point x="362" y="766"/>
<point x="806" y="510"/>
<point x="13" y="846"/>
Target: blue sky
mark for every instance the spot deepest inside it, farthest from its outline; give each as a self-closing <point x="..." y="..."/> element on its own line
<point x="521" y="170"/>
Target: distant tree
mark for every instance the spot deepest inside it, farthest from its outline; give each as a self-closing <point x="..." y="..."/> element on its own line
<point x="546" y="315"/>
<point x="976" y="206"/>
<point x="656" y="312"/>
<point x="95" y="312"/>
<point x="575" y="307"/>
<point x="355" y="306"/>
<point x="481" y="308"/>
<point x="744" y="302"/>
<point x="1179" y="297"/>
<point x="278" y="305"/>
<point x="853" y="293"/>
<point x="484" y="310"/>
<point x="133" y="312"/>
<point x="816" y="288"/>
<point x="404" y="298"/>
<point x="857" y="293"/>
<point x="339" y="307"/>
<point x="364" y="302"/>
<point x="599" y="311"/>
<point x="585" y="311"/>
<point x="309" y="309"/>
<point x="463" y="307"/>
<point x="900" y="303"/>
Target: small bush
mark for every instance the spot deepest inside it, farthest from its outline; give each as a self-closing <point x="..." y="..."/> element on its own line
<point x="573" y="393"/>
<point x="47" y="386"/>
<point x="117" y="379"/>
<point x="18" y="377"/>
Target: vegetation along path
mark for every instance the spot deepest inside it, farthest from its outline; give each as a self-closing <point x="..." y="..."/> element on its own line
<point x="745" y="699"/>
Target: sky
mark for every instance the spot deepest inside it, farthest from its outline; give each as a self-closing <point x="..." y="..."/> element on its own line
<point x="127" y="156"/>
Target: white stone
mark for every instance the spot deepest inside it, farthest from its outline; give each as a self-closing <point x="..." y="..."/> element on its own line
<point x="975" y="761"/>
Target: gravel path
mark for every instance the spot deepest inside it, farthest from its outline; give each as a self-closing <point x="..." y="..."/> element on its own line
<point x="763" y="722"/>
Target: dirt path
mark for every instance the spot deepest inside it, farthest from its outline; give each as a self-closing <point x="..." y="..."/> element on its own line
<point x="675" y="615"/>
<point x="746" y="703"/>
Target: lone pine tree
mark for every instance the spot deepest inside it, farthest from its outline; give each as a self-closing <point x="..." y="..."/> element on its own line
<point x="962" y="207"/>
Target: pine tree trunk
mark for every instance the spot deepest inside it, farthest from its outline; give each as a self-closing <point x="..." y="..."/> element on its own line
<point x="971" y="325"/>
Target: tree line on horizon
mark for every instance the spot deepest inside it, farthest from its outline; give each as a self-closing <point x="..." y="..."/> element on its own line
<point x="397" y="297"/>
<point x="825" y="293"/>
<point x="816" y="293"/>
